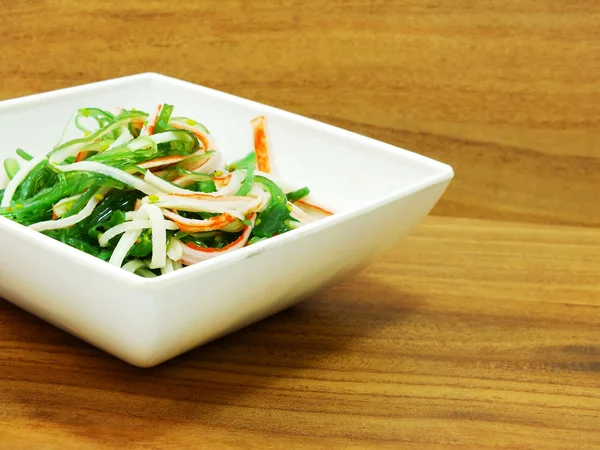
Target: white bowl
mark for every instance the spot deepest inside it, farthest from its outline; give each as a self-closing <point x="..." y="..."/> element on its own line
<point x="379" y="193"/>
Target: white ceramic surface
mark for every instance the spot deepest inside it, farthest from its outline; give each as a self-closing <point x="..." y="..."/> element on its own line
<point x="379" y="193"/>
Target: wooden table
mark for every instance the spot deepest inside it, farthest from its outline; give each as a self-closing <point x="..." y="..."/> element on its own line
<point x="481" y="330"/>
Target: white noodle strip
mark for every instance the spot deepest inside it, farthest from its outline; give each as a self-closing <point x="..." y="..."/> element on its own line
<point x="13" y="184"/>
<point x="235" y="183"/>
<point x="117" y="174"/>
<point x="159" y="236"/>
<point x="236" y="208"/>
<point x="126" y="226"/>
<point x="134" y="265"/>
<point x="68" y="221"/>
<point x="174" y="249"/>
<point x="124" y="138"/>
<point x="140" y="142"/>
<point x="62" y="207"/>
<point x="67" y="200"/>
<point x="154" y="216"/>
<point x="67" y="152"/>
<point x="165" y="136"/>
<point x="127" y="240"/>
<point x="164" y="185"/>
<point x="146" y="273"/>
<point x="72" y="150"/>
<point x="168" y="267"/>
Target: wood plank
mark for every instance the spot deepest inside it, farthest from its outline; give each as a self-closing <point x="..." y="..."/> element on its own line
<point x="505" y="92"/>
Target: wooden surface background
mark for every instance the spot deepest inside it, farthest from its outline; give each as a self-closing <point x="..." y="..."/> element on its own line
<point x="481" y="330"/>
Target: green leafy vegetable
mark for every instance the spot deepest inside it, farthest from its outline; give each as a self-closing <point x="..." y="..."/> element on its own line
<point x="102" y="118"/>
<point x="256" y="239"/>
<point x="114" y="203"/>
<point x="206" y="186"/>
<point x="276" y="219"/>
<point x="11" y="167"/>
<point x="124" y="156"/>
<point x="249" y="164"/>
<point x="277" y="195"/>
<point x="143" y="247"/>
<point x="23" y="154"/>
<point x="297" y="195"/>
<point x="162" y="121"/>
<point x="273" y="221"/>
<point x="185" y="143"/>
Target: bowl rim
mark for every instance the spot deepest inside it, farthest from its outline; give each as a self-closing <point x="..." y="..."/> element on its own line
<point x="442" y="173"/>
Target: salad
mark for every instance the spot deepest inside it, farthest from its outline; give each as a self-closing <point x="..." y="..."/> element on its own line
<point x="150" y="192"/>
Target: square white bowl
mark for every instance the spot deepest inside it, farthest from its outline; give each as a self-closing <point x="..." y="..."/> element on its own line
<point x="379" y="193"/>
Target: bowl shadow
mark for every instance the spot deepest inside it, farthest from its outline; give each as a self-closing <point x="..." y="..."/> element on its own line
<point x="304" y="350"/>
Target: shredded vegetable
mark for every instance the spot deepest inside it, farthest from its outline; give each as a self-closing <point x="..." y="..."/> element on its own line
<point x="150" y="193"/>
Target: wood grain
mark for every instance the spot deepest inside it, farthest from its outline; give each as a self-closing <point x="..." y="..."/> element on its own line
<point x="505" y="91"/>
<point x="481" y="330"/>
